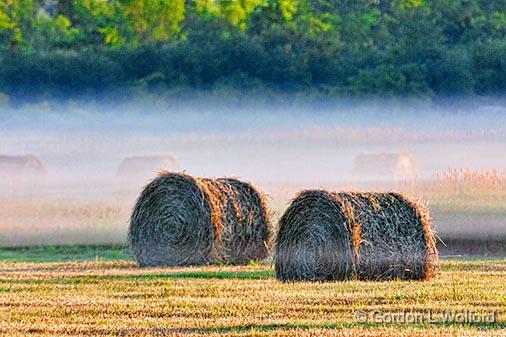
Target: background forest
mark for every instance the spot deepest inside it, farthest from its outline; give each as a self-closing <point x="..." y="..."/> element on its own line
<point x="386" y="48"/>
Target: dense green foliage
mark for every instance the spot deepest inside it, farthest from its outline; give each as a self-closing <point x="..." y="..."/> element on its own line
<point x="374" y="47"/>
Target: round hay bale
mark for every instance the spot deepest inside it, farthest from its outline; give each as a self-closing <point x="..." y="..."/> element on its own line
<point x="370" y="236"/>
<point x="183" y="220"/>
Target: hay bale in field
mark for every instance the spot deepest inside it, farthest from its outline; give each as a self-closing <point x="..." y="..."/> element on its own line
<point x="21" y="166"/>
<point x="139" y="169"/>
<point x="396" y="166"/>
<point x="20" y="175"/>
<point x="337" y="236"/>
<point x="183" y="220"/>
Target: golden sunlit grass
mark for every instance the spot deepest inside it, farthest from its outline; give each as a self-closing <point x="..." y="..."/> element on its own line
<point x="464" y="190"/>
<point x="466" y="203"/>
<point x="116" y="298"/>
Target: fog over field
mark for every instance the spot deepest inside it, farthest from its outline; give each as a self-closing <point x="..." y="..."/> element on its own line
<point x="281" y="148"/>
<point x="284" y="145"/>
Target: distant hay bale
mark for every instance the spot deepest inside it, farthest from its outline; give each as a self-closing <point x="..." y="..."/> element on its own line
<point x="397" y="166"/>
<point x="21" y="175"/>
<point x="142" y="168"/>
<point x="183" y="220"/>
<point x="371" y="236"/>
<point x="21" y="166"/>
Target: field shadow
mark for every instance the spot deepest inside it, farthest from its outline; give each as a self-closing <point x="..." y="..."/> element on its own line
<point x="78" y="279"/>
<point x="241" y="275"/>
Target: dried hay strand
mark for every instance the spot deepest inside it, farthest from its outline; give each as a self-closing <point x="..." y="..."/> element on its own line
<point x="183" y="220"/>
<point x="369" y="236"/>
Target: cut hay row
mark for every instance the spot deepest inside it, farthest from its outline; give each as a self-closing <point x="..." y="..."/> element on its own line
<point x="371" y="236"/>
<point x="183" y="220"/>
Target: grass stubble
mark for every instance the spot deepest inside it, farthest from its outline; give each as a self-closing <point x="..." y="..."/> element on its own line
<point x="117" y="298"/>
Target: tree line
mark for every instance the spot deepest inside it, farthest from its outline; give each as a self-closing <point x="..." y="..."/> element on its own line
<point x="68" y="48"/>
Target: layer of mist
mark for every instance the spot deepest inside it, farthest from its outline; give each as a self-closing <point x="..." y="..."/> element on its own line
<point x="282" y="149"/>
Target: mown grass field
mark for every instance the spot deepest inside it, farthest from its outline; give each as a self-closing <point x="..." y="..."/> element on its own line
<point x="99" y="291"/>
